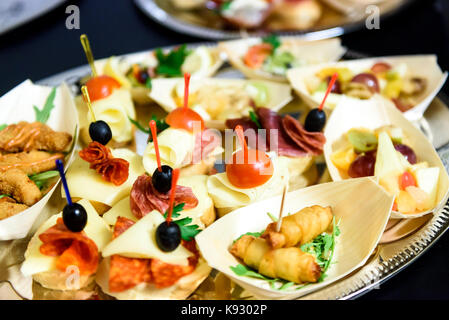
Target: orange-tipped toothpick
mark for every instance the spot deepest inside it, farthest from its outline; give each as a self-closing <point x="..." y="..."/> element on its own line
<point x="329" y="88"/>
<point x="186" y="90"/>
<point x="174" y="181"/>
<point x="153" y="128"/>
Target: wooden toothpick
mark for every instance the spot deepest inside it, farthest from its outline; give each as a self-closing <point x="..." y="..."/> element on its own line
<point x="279" y="223"/>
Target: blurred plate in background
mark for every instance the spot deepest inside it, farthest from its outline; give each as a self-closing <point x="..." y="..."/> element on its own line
<point x="337" y="17"/>
<point x="14" y="13"/>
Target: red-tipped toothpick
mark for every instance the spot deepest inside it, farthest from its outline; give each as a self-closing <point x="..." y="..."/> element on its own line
<point x="239" y="131"/>
<point x="186" y="90"/>
<point x="153" y="128"/>
<point x="329" y="88"/>
<point x="174" y="181"/>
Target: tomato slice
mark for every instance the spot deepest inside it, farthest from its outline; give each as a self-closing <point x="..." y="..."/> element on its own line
<point x="184" y="118"/>
<point x="101" y="87"/>
<point x="406" y="180"/>
<point x="255" y="170"/>
<point x="257" y="54"/>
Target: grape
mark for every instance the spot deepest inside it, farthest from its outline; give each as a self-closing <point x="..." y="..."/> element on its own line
<point x="381" y="67"/>
<point x="368" y="80"/>
<point x="336" y="88"/>
<point x="407" y="152"/>
<point x="362" y="166"/>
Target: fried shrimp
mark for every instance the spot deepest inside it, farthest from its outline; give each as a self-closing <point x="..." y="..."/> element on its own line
<point x="16" y="183"/>
<point x="31" y="162"/>
<point x="26" y="136"/>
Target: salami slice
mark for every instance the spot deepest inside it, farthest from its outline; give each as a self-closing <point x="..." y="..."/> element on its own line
<point x="70" y="248"/>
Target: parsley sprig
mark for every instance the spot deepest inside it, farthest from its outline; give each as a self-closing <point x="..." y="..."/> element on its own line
<point x="44" y="114"/>
<point x="188" y="230"/>
<point x="273" y="40"/>
<point x="170" y="64"/>
<point x="254" y="118"/>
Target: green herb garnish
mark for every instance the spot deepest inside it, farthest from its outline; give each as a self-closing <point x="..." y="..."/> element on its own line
<point x="273" y="40"/>
<point x="161" y="125"/>
<point x="148" y="83"/>
<point x="255" y="119"/>
<point x="322" y="247"/>
<point x="4" y="196"/>
<point x="40" y="179"/>
<point x="44" y="114"/>
<point x="188" y="231"/>
<point x="254" y="234"/>
<point x="3" y="126"/>
<point x="170" y="64"/>
<point x="225" y="6"/>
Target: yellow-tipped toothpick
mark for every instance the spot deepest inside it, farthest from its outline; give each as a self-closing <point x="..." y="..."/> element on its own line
<point x="89" y="54"/>
<point x="279" y="223"/>
<point x="87" y="100"/>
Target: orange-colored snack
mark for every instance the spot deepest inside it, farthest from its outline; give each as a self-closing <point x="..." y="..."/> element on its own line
<point x="256" y="55"/>
<point x="71" y="248"/>
<point x="112" y="169"/>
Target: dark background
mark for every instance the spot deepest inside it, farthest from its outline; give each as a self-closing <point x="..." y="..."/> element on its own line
<point x="45" y="47"/>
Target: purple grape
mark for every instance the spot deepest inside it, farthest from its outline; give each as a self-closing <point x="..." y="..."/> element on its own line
<point x="362" y="166"/>
<point x="368" y="80"/>
<point x="407" y="152"/>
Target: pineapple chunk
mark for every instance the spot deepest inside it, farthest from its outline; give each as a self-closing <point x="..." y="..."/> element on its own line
<point x="421" y="197"/>
<point x="427" y="180"/>
<point x="390" y="182"/>
<point x="342" y="159"/>
<point x="406" y="203"/>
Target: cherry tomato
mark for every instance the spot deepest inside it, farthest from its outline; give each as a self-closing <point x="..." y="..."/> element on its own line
<point x="101" y="87"/>
<point x="381" y="67"/>
<point x="257" y="54"/>
<point x="255" y="170"/>
<point x="184" y="118"/>
<point x="406" y="180"/>
<point x="368" y="80"/>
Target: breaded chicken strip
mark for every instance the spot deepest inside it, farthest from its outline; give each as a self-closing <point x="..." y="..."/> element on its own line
<point x="16" y="183"/>
<point x="8" y="207"/>
<point x="26" y="136"/>
<point x="31" y="162"/>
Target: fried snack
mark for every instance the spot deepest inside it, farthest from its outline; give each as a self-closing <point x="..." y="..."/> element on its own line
<point x="25" y="136"/>
<point x="16" y="183"/>
<point x="299" y="228"/>
<point x="31" y="162"/>
<point x="290" y="264"/>
<point x="9" y="207"/>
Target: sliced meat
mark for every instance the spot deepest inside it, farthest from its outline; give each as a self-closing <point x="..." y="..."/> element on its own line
<point x="145" y="198"/>
<point x="71" y="248"/>
<point x="26" y="136"/>
<point x="310" y="142"/>
<point x="30" y="162"/>
<point x="16" y="183"/>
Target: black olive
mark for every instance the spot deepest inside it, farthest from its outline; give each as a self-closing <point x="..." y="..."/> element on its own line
<point x="162" y="179"/>
<point x="168" y="236"/>
<point x="75" y="217"/>
<point x="100" y="131"/>
<point x="315" y="120"/>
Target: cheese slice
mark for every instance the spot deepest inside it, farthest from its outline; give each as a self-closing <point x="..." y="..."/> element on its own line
<point x="139" y="241"/>
<point x="226" y="195"/>
<point x="175" y="149"/>
<point x="86" y="183"/>
<point x="121" y="209"/>
<point x="96" y="229"/>
<point x="427" y="180"/>
<point x="198" y="184"/>
<point x="115" y="110"/>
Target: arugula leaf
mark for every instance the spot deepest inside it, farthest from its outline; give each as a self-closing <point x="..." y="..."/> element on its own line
<point x="254" y="234"/>
<point x="44" y="114"/>
<point x="170" y="64"/>
<point x="225" y="6"/>
<point x="3" y="126"/>
<point x="161" y="125"/>
<point x="255" y="119"/>
<point x="4" y="195"/>
<point x="40" y="179"/>
<point x="188" y="231"/>
<point x="148" y="83"/>
<point x="273" y="40"/>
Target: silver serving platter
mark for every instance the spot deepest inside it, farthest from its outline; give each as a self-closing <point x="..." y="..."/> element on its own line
<point x="331" y="24"/>
<point x="390" y="257"/>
